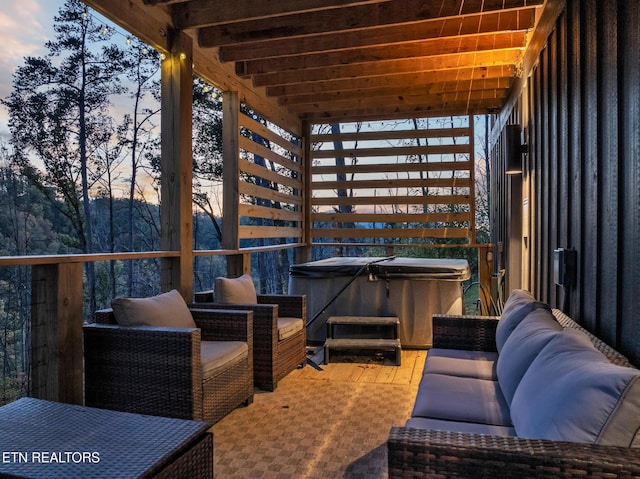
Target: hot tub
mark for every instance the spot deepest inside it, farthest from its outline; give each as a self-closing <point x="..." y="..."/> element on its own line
<point x="413" y="289"/>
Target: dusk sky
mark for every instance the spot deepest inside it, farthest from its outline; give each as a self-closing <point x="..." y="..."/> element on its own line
<point x="25" y="27"/>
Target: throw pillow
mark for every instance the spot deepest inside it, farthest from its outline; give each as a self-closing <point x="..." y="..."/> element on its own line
<point x="164" y="310"/>
<point x="235" y="290"/>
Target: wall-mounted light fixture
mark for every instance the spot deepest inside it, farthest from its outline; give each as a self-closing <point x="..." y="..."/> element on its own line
<point x="565" y="266"/>
<point x="514" y="150"/>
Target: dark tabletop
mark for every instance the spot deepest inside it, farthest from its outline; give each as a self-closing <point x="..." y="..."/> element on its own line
<point x="43" y="439"/>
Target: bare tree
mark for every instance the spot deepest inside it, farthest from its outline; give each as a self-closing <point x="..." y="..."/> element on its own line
<point x="56" y="111"/>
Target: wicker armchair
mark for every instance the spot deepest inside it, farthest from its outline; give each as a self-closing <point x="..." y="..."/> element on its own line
<point x="274" y="356"/>
<point x="158" y="370"/>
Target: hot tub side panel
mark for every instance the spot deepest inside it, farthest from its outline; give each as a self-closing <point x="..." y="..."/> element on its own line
<point x="361" y="298"/>
<point x="414" y="301"/>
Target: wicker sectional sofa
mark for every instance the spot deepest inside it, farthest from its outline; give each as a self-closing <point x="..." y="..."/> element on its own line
<point x="529" y="394"/>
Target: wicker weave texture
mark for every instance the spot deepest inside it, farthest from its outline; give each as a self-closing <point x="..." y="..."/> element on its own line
<point x="196" y="462"/>
<point x="158" y="371"/>
<point x="614" y="356"/>
<point x="475" y="333"/>
<point x="120" y="444"/>
<point x="423" y="453"/>
<point x="273" y="359"/>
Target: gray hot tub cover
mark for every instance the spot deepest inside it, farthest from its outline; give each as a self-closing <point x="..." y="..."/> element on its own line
<point x="414" y="268"/>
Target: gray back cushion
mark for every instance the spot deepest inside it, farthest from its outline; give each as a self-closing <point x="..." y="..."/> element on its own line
<point x="519" y="304"/>
<point x="571" y="392"/>
<point x="521" y="348"/>
<point x="164" y="310"/>
<point x="235" y="290"/>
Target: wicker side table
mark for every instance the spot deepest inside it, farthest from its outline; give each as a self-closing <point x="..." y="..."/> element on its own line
<point x="44" y="439"/>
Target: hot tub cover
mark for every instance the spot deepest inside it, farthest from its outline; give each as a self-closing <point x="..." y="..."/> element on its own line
<point x="382" y="268"/>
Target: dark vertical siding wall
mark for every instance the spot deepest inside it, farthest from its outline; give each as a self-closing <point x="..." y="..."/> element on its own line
<point x="586" y="243"/>
<point x="575" y="209"/>
<point x="582" y="103"/>
<point x="629" y="185"/>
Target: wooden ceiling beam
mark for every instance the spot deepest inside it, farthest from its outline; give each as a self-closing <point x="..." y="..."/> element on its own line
<point x="400" y="101"/>
<point x="161" y="2"/>
<point x="153" y="26"/>
<point x="402" y="134"/>
<point x="393" y="67"/>
<point x="433" y="46"/>
<point x="350" y="60"/>
<point x="393" y="12"/>
<point x="476" y="107"/>
<point x="390" y="92"/>
<point x="200" y="13"/>
<point x="397" y="81"/>
<point x="478" y="84"/>
<point x="512" y="20"/>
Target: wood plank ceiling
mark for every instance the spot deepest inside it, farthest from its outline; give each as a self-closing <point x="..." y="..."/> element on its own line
<point x="363" y="59"/>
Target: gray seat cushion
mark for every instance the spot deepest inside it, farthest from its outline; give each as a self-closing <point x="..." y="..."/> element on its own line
<point x="218" y="356"/>
<point x="522" y="347"/>
<point x="463" y="367"/>
<point x="287" y="327"/>
<point x="571" y="392"/>
<point x="519" y="304"/>
<point x="459" y="362"/>
<point x="462" y="399"/>
<point x="457" y="426"/>
<point x="462" y="354"/>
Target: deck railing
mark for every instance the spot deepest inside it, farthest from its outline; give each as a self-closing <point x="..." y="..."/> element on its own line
<point x="52" y="359"/>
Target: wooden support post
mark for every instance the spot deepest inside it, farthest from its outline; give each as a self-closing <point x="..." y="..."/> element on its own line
<point x="472" y="184"/>
<point x="176" y="210"/>
<point x="303" y="254"/>
<point x="231" y="182"/>
<point x="238" y="264"/>
<point x="56" y="332"/>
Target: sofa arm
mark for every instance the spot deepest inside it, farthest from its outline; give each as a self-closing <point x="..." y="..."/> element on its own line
<point x="143" y="369"/>
<point x="475" y="333"/>
<point x="289" y="306"/>
<point x="422" y="453"/>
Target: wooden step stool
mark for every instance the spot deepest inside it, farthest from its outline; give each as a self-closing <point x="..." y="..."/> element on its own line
<point x="362" y="332"/>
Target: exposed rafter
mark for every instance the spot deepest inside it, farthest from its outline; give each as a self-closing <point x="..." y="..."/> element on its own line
<point x="344" y="59"/>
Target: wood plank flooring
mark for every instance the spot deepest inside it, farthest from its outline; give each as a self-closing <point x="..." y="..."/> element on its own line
<point x="322" y="421"/>
<point x="364" y="368"/>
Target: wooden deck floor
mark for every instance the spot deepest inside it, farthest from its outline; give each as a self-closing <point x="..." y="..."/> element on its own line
<point x="364" y="368"/>
<point x="322" y="422"/>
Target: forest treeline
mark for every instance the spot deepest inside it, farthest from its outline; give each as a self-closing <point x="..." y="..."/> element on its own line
<point x="80" y="173"/>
